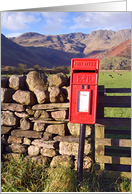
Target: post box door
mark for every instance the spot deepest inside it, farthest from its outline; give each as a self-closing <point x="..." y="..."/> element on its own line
<point x="82" y="111"/>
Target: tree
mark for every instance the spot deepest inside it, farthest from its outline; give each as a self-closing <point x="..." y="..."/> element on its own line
<point x="22" y="68"/>
<point x="54" y="69"/>
<point x="36" y="67"/>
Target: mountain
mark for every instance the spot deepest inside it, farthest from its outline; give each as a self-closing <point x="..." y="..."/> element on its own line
<point x="117" y="56"/>
<point x="58" y="50"/>
<point x="12" y="54"/>
<point x="123" y="49"/>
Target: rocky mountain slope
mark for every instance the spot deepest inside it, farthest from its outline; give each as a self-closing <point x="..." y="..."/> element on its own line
<point x="57" y="50"/>
<point x="121" y="50"/>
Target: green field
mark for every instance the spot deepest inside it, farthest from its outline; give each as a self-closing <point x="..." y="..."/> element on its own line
<point x="121" y="79"/>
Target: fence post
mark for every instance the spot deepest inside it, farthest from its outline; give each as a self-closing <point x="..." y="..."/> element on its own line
<point x="99" y="129"/>
<point x="99" y="149"/>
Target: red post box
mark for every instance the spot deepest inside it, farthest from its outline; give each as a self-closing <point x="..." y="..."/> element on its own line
<point x="83" y="90"/>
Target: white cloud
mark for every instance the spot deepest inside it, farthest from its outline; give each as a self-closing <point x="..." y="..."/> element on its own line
<point x="55" y="15"/>
<point x="102" y="20"/>
<point x="17" y="21"/>
<point x="54" y="21"/>
<point x="13" y="34"/>
<point x="63" y="22"/>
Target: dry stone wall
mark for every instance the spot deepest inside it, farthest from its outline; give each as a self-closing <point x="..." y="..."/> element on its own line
<point x="34" y="121"/>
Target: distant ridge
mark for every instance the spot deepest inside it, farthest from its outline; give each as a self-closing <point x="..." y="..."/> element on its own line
<point x="57" y="50"/>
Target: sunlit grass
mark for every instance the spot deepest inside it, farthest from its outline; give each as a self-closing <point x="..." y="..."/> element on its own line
<point x="21" y="176"/>
<point x="121" y="79"/>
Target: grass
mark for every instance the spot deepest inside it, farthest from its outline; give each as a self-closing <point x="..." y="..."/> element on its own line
<point x="118" y="80"/>
<point x="21" y="176"/>
<point x="121" y="79"/>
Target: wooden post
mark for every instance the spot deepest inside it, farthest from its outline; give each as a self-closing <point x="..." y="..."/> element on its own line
<point x="99" y="129"/>
<point x="99" y="149"/>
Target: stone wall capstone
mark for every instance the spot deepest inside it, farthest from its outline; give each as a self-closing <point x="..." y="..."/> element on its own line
<point x="34" y="121"/>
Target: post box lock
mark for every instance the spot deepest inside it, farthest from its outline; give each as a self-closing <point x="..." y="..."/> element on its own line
<point x="83" y="90"/>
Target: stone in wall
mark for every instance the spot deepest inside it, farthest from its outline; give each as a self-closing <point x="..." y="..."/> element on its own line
<point x="47" y="136"/>
<point x="13" y="107"/>
<point x="48" y="152"/>
<point x="5" y="130"/>
<point x="74" y="129"/>
<point x="38" y="126"/>
<point x="66" y="91"/>
<point x="50" y="88"/>
<point x="26" y="141"/>
<point x="17" y="82"/>
<point x="30" y="111"/>
<point x="26" y="124"/>
<point x="27" y="134"/>
<point x="42" y="95"/>
<point x="56" y="95"/>
<point x="47" y="121"/>
<point x="37" y="80"/>
<point x="62" y="160"/>
<point x="24" y="97"/>
<point x="59" y="115"/>
<point x="71" y="148"/>
<point x="9" y="119"/>
<point x="21" y="115"/>
<point x="4" y="81"/>
<point x="41" y="160"/>
<point x="46" y="144"/>
<point x="59" y="129"/>
<point x="51" y="106"/>
<point x="6" y="94"/>
<point x="17" y="148"/>
<point x="58" y="80"/>
<point x="33" y="150"/>
<point x="87" y="163"/>
<point x="13" y="139"/>
<point x="41" y="114"/>
<point x="67" y="138"/>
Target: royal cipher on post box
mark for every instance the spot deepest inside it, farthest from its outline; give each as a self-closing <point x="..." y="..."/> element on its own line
<point x="83" y="90"/>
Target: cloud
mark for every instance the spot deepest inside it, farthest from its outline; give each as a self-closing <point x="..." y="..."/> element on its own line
<point x="54" y="21"/>
<point x="102" y="20"/>
<point x="63" y="22"/>
<point x="13" y="34"/>
<point x="17" y="21"/>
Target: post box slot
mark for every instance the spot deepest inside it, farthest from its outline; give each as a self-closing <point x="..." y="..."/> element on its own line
<point x="84" y="86"/>
<point x="84" y="71"/>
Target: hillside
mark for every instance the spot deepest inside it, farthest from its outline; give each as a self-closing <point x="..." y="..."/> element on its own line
<point x="121" y="50"/>
<point x="58" y="50"/>
<point x="12" y="54"/>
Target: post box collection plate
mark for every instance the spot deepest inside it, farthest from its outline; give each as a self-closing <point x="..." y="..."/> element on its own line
<point x="83" y="90"/>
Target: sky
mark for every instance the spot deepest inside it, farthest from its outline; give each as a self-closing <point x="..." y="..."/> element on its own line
<point x="14" y="24"/>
